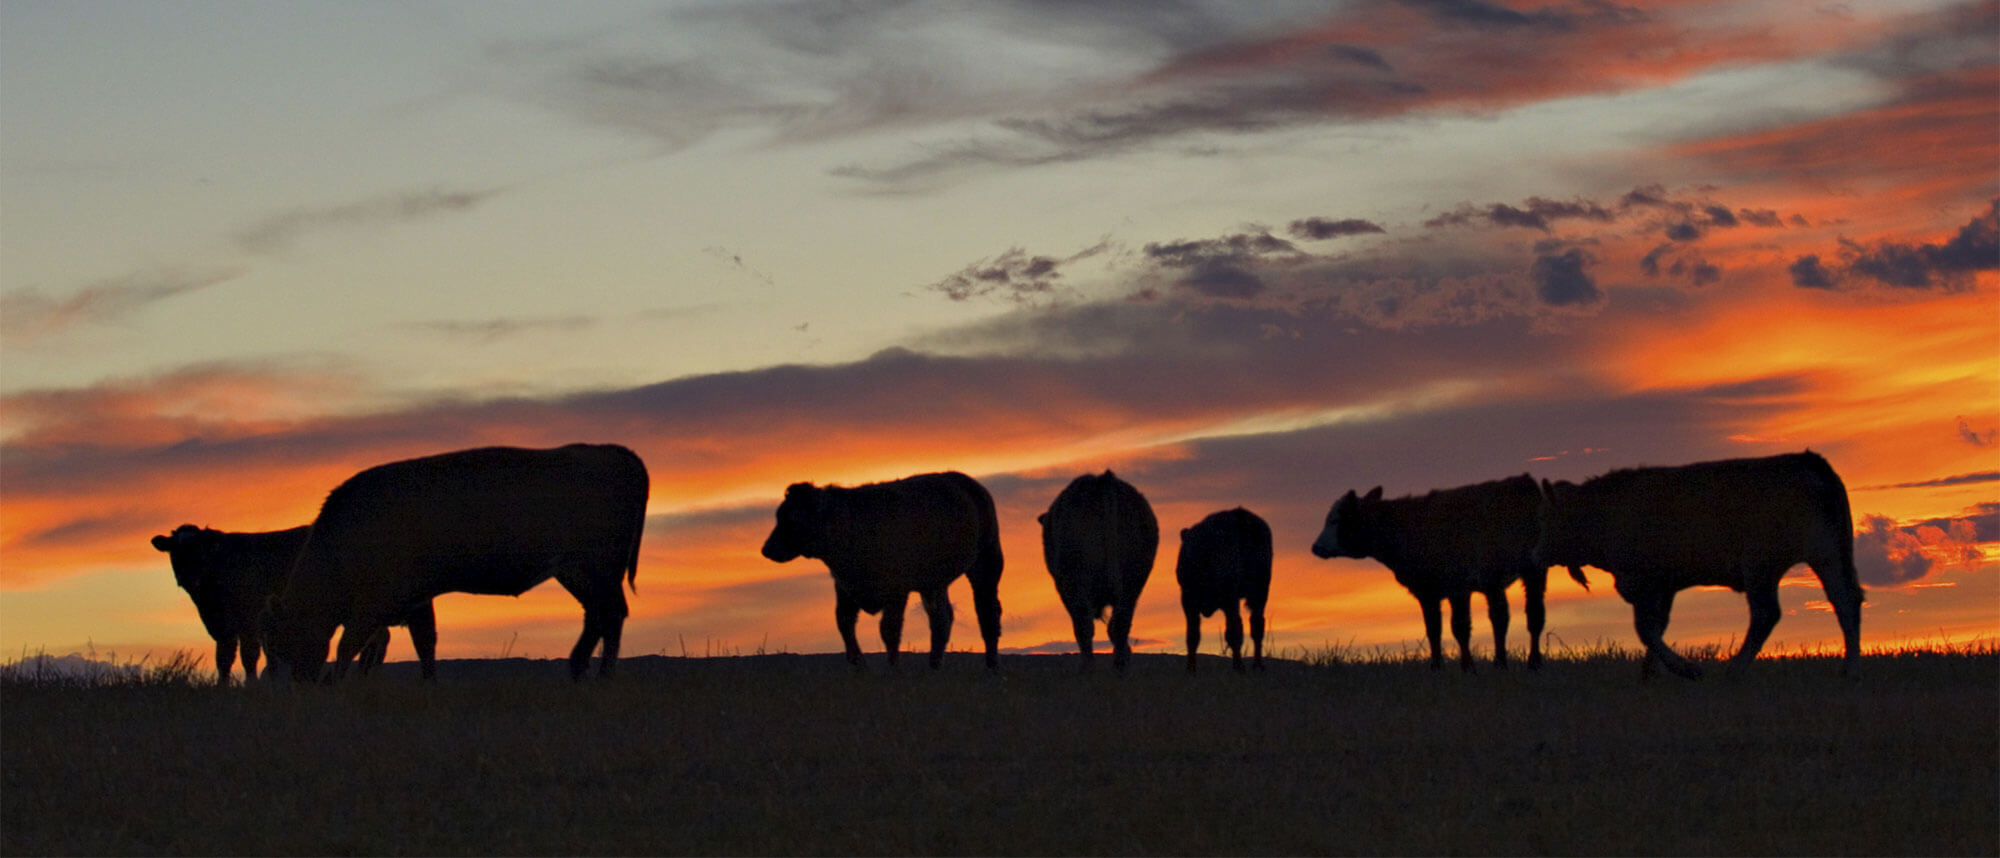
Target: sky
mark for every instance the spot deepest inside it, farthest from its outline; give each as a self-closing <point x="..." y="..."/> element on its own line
<point x="1242" y="254"/>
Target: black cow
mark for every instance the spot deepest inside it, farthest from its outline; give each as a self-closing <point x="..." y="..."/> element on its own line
<point x="1099" y="538"/>
<point x="1739" y="523"/>
<point x="231" y="575"/>
<point x="883" y="541"/>
<point x="1226" y="560"/>
<point x="495" y="520"/>
<point x="1447" y="545"/>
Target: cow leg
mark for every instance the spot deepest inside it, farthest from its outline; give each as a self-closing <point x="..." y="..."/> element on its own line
<point x="252" y="648"/>
<point x="937" y="606"/>
<point x="1496" y="614"/>
<point x="1461" y="628"/>
<point x="1120" y="632"/>
<point x="374" y="652"/>
<point x="1193" y="635"/>
<point x="1650" y="612"/>
<point x="225" y="656"/>
<point x="1257" y="635"/>
<point x="611" y="615"/>
<point x="1232" y="634"/>
<point x="986" y="603"/>
<point x="352" y="640"/>
<point x="1764" y="614"/>
<point x="892" y="625"/>
<point x="424" y="637"/>
<point x="1535" y="587"/>
<point x="845" y="611"/>
<point x="1085" y="627"/>
<point x="593" y="629"/>
<point x="1843" y="592"/>
<point x="1434" y="629"/>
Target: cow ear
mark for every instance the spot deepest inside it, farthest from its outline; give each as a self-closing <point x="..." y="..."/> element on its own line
<point x="1042" y="519"/>
<point x="1184" y="533"/>
<point x="1374" y="494"/>
<point x="163" y="543"/>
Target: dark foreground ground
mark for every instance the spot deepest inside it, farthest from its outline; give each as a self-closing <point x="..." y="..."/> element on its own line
<point x="798" y="755"/>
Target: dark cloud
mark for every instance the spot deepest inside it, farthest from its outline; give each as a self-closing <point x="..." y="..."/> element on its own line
<point x="1683" y="231"/>
<point x="1679" y="261"/>
<point x="1973" y="436"/>
<point x="1226" y="267"/>
<point x="1356" y="54"/>
<point x="1560" y="280"/>
<point x="1808" y="273"/>
<point x="27" y="315"/>
<point x="1320" y="229"/>
<point x="279" y="231"/>
<point x="1535" y="213"/>
<point x="1760" y="217"/>
<point x="1886" y="555"/>
<point x="1946" y="266"/>
<point x="1953" y="480"/>
<point x="1013" y="276"/>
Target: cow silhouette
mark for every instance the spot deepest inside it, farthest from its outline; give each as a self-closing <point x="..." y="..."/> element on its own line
<point x="1099" y="539"/>
<point x="1225" y="561"/>
<point x="1738" y="523"/>
<point x="1446" y="545"/>
<point x="230" y="576"/>
<point x="494" y="520"/>
<point x="883" y="541"/>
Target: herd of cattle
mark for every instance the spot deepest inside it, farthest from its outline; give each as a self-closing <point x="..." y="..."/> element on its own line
<point x="501" y="520"/>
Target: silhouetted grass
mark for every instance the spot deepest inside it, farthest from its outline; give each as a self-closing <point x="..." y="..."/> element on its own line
<point x="1338" y="752"/>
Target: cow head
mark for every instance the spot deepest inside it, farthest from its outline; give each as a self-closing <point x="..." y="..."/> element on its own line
<point x="798" y="529"/>
<point x="289" y="644"/>
<point x="1562" y="538"/>
<point x="192" y="551"/>
<point x="1345" y="533"/>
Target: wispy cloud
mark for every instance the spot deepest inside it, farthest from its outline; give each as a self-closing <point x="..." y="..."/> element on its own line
<point x="27" y="315"/>
<point x="280" y="231"/>
<point x="494" y="330"/>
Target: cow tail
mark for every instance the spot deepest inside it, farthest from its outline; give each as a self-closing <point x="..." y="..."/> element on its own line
<point x="1107" y="491"/>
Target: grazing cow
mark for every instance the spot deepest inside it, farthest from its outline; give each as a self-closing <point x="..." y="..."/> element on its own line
<point x="1098" y="539"/>
<point x="1446" y="545"/>
<point x="1740" y="523"/>
<point x="496" y="520"/>
<point x="230" y="576"/>
<point x="1224" y="560"/>
<point x="883" y="541"/>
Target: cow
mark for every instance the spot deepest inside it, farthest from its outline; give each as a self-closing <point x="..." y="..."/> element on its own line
<point x="231" y="575"/>
<point x="883" y="541"/>
<point x="1226" y="559"/>
<point x="1738" y="523"/>
<point x="494" y="520"/>
<point x="1446" y="545"/>
<point x="1098" y="540"/>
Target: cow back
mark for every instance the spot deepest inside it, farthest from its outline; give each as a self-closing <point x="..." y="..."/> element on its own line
<point x="1472" y="537"/>
<point x="883" y="540"/>
<point x="1099" y="539"/>
<point x="1224" y="558"/>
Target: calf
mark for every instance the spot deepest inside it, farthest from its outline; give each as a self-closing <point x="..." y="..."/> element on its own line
<point x="1226" y="560"/>
<point x="883" y="541"/>
<point x="231" y="575"/>
<point x="1446" y="545"/>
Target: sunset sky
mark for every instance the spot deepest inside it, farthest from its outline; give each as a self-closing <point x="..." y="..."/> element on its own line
<point x="1244" y="254"/>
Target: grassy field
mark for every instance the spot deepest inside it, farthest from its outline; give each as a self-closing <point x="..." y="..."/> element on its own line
<point x="784" y="754"/>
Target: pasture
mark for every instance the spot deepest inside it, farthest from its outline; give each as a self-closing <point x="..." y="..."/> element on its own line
<point x="1333" y="753"/>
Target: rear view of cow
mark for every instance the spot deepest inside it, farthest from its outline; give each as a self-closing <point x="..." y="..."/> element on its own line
<point x="1447" y="545"/>
<point x="1226" y="560"/>
<point x="883" y="541"/>
<point x="231" y="575"/>
<point x="1099" y="538"/>
<point x="1740" y="523"/>
<point x="496" y="521"/>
